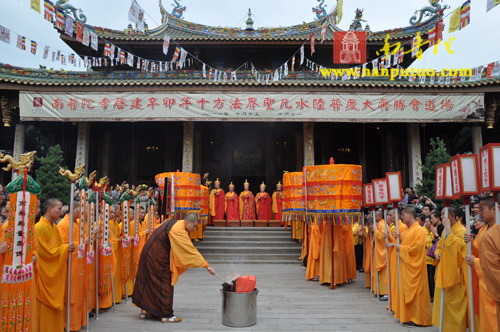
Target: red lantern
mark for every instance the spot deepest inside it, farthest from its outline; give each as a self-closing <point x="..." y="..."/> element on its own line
<point x="380" y="192"/>
<point x="394" y="186"/>
<point x="464" y="175"/>
<point x="489" y="157"/>
<point x="368" y="199"/>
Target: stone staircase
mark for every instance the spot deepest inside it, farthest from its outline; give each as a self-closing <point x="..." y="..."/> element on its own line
<point x="252" y="245"/>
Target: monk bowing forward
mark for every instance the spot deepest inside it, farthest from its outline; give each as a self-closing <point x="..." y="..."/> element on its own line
<point x="166" y="255"/>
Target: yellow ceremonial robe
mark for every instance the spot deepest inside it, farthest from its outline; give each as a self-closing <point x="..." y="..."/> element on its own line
<point x="452" y="275"/>
<point x="367" y="257"/>
<point x="340" y="274"/>
<point x="313" y="252"/>
<point x="183" y="255"/>
<point x="115" y="239"/>
<point x="380" y="260"/>
<point x="50" y="276"/>
<point x="393" y="268"/>
<point x="350" y="257"/>
<point x="78" y="282"/>
<point x="490" y="263"/>
<point x="325" y="256"/>
<point x="415" y="298"/>
<point x="487" y="304"/>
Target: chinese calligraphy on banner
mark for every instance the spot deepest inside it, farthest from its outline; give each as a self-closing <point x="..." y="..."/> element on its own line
<point x="214" y="106"/>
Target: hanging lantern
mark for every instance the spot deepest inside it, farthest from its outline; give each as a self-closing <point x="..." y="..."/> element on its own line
<point x="464" y="175"/>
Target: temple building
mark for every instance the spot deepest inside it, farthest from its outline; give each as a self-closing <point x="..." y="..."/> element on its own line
<point x="225" y="112"/>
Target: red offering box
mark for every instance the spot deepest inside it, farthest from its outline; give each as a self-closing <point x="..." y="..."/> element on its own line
<point x="260" y="223"/>
<point x="233" y="223"/>
<point x="219" y="223"/>
<point x="247" y="223"/>
<point x="274" y="223"/>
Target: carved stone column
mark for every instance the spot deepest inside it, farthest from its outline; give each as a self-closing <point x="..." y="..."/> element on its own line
<point x="82" y="145"/>
<point x="415" y="154"/>
<point x="187" y="148"/>
<point x="477" y="139"/>
<point x="106" y="153"/>
<point x="308" y="144"/>
<point x="18" y="149"/>
<point x="197" y="152"/>
<point x="299" y="152"/>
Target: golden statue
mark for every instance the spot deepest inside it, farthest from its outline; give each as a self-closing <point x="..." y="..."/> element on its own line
<point x="73" y="176"/>
<point x="25" y="161"/>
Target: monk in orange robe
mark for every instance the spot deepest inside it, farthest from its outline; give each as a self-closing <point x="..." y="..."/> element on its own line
<point x="247" y="203"/>
<point x="487" y="305"/>
<point x="115" y="238"/>
<point x="50" y="269"/>
<point x="415" y="299"/>
<point x="278" y="203"/>
<point x="340" y="274"/>
<point x="232" y="204"/>
<point x="367" y="234"/>
<point x="490" y="264"/>
<point x="325" y="257"/>
<point x="3" y="247"/>
<point x="217" y="202"/>
<point x="263" y="204"/>
<point x="313" y="255"/>
<point x="166" y="255"/>
<point x="78" y="289"/>
<point x="349" y="254"/>
<point x="380" y="258"/>
<point x="393" y="260"/>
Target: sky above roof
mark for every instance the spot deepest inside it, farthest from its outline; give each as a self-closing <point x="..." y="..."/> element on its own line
<point x="474" y="45"/>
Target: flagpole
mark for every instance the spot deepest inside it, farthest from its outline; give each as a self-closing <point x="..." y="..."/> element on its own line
<point x="97" y="255"/>
<point x="73" y="177"/>
<point x="387" y="258"/>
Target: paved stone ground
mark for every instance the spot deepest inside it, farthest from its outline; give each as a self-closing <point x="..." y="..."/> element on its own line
<point x="286" y="302"/>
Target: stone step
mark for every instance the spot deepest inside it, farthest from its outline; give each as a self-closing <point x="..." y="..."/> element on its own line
<point x="250" y="250"/>
<point x="248" y="233"/>
<point x="245" y="257"/>
<point x="210" y="238"/>
<point x="254" y="261"/>
<point x="245" y="243"/>
<point x="248" y="229"/>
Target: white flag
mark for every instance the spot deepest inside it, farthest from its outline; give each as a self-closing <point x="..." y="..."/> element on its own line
<point x="112" y="52"/>
<point x="139" y="63"/>
<point x="130" y="59"/>
<point x="94" y="41"/>
<point x="182" y="58"/>
<point x="86" y="37"/>
<point x="135" y="13"/>
<point x="286" y="69"/>
<point x="204" y="70"/>
<point x="46" y="52"/>
<point x="4" y="34"/>
<point x="422" y="79"/>
<point x="388" y="61"/>
<point x="375" y="64"/>
<point x="301" y="54"/>
<point x="166" y="43"/>
<point x="363" y="70"/>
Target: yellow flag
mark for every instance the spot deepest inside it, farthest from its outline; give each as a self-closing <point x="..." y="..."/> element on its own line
<point x="455" y="20"/>
<point x="35" y="5"/>
<point x="340" y="4"/>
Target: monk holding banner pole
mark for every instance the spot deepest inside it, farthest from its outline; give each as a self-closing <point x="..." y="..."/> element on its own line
<point x="73" y="177"/>
<point x="368" y="202"/>
<point x="382" y="197"/>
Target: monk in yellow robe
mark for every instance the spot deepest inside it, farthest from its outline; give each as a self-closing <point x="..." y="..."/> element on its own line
<point x="415" y="299"/>
<point x="3" y="247"/>
<point x="349" y="254"/>
<point x="115" y="237"/>
<point x="487" y="305"/>
<point x="78" y="282"/>
<point x="393" y="260"/>
<point x="50" y="269"/>
<point x="166" y="255"/>
<point x="326" y="251"/>
<point x="340" y="275"/>
<point x="380" y="258"/>
<point x="452" y="276"/>
<point x="313" y="252"/>
<point x="490" y="264"/>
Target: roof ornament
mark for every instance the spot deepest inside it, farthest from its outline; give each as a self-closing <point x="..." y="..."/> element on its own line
<point x="431" y="11"/>
<point x="356" y="23"/>
<point x="178" y="10"/>
<point x="67" y="8"/>
<point x="249" y="21"/>
<point x="320" y="10"/>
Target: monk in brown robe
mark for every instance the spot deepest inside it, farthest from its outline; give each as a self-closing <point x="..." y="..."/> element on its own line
<point x="166" y="255"/>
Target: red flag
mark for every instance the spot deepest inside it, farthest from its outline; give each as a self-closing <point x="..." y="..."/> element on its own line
<point x="323" y="31"/>
<point x="313" y="38"/>
<point x="439" y="31"/>
<point x="432" y="36"/>
<point x="79" y="32"/>
<point x="349" y="47"/>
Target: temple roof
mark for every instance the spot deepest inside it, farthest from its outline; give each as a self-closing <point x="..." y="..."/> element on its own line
<point x="64" y="79"/>
<point x="182" y="30"/>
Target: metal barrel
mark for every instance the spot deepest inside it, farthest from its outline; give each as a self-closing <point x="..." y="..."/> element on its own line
<point x="239" y="309"/>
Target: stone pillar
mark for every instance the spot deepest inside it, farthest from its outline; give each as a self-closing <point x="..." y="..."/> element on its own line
<point x="18" y="148"/>
<point x="187" y="147"/>
<point x="299" y="152"/>
<point x="477" y="139"/>
<point x="82" y="146"/>
<point x="197" y="152"/>
<point x="415" y="154"/>
<point x="106" y="153"/>
<point x="308" y="144"/>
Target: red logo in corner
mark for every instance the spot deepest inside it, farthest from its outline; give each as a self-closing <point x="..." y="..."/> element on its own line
<point x="37" y="102"/>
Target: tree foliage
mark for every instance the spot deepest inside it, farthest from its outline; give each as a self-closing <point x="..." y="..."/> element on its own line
<point x="437" y="155"/>
<point x="47" y="176"/>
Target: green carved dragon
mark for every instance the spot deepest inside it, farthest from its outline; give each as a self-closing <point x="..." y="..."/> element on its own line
<point x="430" y="11"/>
<point x="68" y="8"/>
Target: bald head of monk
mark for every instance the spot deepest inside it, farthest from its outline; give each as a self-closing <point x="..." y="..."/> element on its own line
<point x="409" y="214"/>
<point x="379" y="215"/>
<point x="52" y="209"/>
<point x="191" y="222"/>
<point x="391" y="218"/>
<point x="487" y="210"/>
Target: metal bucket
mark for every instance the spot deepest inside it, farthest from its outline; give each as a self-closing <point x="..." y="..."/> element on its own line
<point x="239" y="309"/>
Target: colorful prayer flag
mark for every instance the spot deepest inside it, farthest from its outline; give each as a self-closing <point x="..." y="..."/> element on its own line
<point x="490" y="4"/>
<point x="107" y="50"/>
<point x="33" y="47"/>
<point x="323" y="31"/>
<point x="414" y="48"/>
<point x="401" y="55"/>
<point x="35" y="5"/>
<point x="72" y="58"/>
<point x="439" y="31"/>
<point x="21" y="42"/>
<point x="455" y="20"/>
<point x="465" y="14"/>
<point x="4" y="34"/>
<point x="48" y="12"/>
<point x="63" y="60"/>
<point x="68" y="27"/>
<point x="349" y="47"/>
<point x="166" y="43"/>
<point x="313" y="38"/>
<point x="176" y="54"/>
<point x="79" y="32"/>
<point x="432" y="36"/>
<point x="59" y="24"/>
<point x="122" y="57"/>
